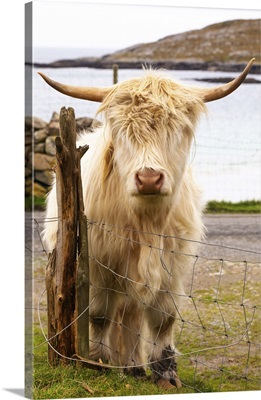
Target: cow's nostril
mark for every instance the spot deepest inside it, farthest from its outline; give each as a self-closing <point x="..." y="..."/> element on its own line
<point x="138" y="180"/>
<point x="149" y="181"/>
<point x="160" y="180"/>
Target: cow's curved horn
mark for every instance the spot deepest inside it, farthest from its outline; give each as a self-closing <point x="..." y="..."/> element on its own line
<point x="85" y="93"/>
<point x="218" y="92"/>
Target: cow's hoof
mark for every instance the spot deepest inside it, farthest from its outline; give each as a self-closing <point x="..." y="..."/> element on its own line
<point x="169" y="382"/>
<point x="175" y="380"/>
<point x="165" y="384"/>
<point x="164" y="371"/>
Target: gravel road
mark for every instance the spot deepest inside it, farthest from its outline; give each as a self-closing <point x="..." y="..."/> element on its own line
<point x="234" y="231"/>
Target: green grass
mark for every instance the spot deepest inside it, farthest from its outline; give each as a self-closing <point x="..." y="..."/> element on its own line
<point x="38" y="203"/>
<point x="250" y="207"/>
<point x="71" y="381"/>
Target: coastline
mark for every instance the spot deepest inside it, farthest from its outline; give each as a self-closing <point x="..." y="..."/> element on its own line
<point x="100" y="63"/>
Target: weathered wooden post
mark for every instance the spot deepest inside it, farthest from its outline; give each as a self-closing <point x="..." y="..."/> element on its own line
<point x="62" y="264"/>
<point x="82" y="282"/>
<point x="115" y="73"/>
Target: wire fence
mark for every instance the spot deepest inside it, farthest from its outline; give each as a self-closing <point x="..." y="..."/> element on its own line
<point x="217" y="316"/>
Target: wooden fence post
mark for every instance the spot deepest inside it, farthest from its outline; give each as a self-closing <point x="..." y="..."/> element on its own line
<point x="115" y="73"/>
<point x="82" y="281"/>
<point x="62" y="265"/>
<point x="67" y="272"/>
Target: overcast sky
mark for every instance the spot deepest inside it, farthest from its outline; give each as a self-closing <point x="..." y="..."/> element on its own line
<point x="99" y="25"/>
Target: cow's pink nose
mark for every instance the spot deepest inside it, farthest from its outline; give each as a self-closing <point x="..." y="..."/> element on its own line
<point x="149" y="181"/>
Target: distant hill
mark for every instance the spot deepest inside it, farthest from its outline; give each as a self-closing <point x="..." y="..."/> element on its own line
<point x="228" y="42"/>
<point x="226" y="46"/>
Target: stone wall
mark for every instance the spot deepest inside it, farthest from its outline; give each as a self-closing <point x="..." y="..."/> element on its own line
<point x="40" y="151"/>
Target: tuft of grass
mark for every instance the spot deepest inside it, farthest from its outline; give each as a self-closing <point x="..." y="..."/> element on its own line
<point x="36" y="203"/>
<point x="248" y="207"/>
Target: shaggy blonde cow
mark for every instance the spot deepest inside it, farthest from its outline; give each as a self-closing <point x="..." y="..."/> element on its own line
<point x="136" y="180"/>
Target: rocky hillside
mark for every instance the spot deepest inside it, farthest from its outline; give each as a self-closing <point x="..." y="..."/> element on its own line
<point x="224" y="46"/>
<point x="227" y="42"/>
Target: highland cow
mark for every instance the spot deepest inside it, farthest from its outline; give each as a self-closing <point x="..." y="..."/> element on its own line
<point x="137" y="180"/>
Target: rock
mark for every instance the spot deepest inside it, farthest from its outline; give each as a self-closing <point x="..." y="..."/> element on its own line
<point x="34" y="123"/>
<point x="53" y="128"/>
<point x="39" y="190"/>
<point x="55" y="116"/>
<point x="86" y="124"/>
<point x="44" y="177"/>
<point x="39" y="148"/>
<point x="50" y="145"/>
<point x="43" y="162"/>
<point x="40" y="151"/>
<point x="40" y="136"/>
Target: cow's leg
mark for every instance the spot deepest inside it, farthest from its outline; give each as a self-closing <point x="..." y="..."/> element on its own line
<point x="103" y="303"/>
<point x="133" y="356"/>
<point x="161" y="318"/>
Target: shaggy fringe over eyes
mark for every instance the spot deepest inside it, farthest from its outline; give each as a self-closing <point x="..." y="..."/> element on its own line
<point x="149" y="104"/>
<point x="149" y="110"/>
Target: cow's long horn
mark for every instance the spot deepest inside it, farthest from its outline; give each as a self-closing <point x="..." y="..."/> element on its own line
<point x="86" y="93"/>
<point x="224" y="90"/>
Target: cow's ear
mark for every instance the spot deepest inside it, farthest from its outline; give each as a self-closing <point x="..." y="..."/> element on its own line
<point x="108" y="161"/>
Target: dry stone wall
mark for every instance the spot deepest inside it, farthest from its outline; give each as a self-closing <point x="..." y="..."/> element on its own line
<point x="40" y="151"/>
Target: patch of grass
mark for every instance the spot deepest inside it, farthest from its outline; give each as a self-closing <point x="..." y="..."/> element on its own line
<point x="221" y="334"/>
<point x="72" y="381"/>
<point x="38" y="203"/>
<point x="208" y="360"/>
<point x="250" y="207"/>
